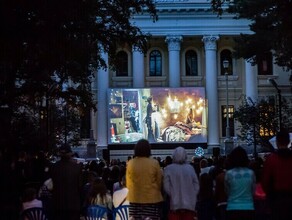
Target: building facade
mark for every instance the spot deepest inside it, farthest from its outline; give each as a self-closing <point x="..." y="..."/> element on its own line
<point x="188" y="46"/>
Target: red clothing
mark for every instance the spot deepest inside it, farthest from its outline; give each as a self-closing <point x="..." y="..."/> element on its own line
<point x="277" y="172"/>
<point x="259" y="192"/>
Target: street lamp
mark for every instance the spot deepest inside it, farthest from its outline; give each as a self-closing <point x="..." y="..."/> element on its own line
<point x="228" y="142"/>
<point x="225" y="66"/>
<point x="273" y="82"/>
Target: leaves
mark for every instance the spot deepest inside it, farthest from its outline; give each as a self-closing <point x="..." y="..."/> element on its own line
<point x="259" y="121"/>
<point x="271" y="22"/>
<point x="48" y="44"/>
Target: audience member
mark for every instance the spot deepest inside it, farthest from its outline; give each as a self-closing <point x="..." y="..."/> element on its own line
<point x="206" y="199"/>
<point x="114" y="175"/>
<point x="45" y="195"/>
<point x="167" y="161"/>
<point x="29" y="199"/>
<point x="67" y="180"/>
<point x="277" y="178"/>
<point x="120" y="184"/>
<point x="98" y="194"/>
<point x="220" y="194"/>
<point x="144" y="181"/>
<point x="240" y="185"/>
<point x="120" y="195"/>
<point x="204" y="166"/>
<point x="182" y="186"/>
<point x="90" y="177"/>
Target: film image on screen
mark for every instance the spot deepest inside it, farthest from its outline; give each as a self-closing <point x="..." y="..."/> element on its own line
<point x="157" y="114"/>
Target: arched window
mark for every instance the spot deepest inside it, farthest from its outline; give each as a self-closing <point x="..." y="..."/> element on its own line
<point x="265" y="64"/>
<point x="191" y="61"/>
<point x="122" y="64"/>
<point x="155" y="63"/>
<point x="226" y="55"/>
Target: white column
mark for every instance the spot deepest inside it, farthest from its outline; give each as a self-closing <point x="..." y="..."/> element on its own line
<point x="251" y="82"/>
<point x="138" y="69"/>
<point x="103" y="85"/>
<point x="212" y="90"/>
<point x="174" y="59"/>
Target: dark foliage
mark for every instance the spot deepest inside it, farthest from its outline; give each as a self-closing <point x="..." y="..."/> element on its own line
<point x="271" y="22"/>
<point x="48" y="44"/>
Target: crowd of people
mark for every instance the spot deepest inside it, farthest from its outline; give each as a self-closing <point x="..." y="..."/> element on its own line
<point x="231" y="187"/>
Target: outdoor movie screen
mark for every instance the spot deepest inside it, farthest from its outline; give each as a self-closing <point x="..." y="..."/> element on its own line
<point x="160" y="115"/>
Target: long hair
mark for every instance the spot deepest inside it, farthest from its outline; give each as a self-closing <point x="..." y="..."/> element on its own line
<point x="98" y="187"/>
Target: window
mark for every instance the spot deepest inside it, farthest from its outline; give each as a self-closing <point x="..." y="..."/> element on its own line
<point x="224" y="120"/>
<point x="155" y="63"/>
<point x="265" y="64"/>
<point x="268" y="119"/>
<point x="191" y="60"/>
<point x="226" y="55"/>
<point x="122" y="64"/>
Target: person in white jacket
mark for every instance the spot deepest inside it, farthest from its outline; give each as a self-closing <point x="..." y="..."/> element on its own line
<point x="182" y="186"/>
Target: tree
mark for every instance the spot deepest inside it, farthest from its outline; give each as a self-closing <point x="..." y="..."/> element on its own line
<point x="259" y="121"/>
<point x="271" y="23"/>
<point x="48" y="44"/>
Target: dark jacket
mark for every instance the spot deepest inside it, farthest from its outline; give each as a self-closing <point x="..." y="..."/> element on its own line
<point x="67" y="184"/>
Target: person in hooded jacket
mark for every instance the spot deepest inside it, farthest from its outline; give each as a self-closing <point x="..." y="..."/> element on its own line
<point x="181" y="184"/>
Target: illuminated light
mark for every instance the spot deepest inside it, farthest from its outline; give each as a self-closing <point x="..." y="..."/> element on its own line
<point x="199" y="152"/>
<point x="175" y="116"/>
<point x="188" y="101"/>
<point x="200" y="101"/>
<point x="174" y="105"/>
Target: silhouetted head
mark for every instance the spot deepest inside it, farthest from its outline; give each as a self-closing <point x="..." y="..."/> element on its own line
<point x="238" y="157"/>
<point x="282" y="139"/>
<point x="142" y="148"/>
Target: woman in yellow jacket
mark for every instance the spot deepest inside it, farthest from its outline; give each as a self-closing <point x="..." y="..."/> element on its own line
<point x="144" y="181"/>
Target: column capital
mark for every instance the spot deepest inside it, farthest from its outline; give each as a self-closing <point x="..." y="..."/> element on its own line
<point x="173" y="42"/>
<point x="210" y="42"/>
<point x="136" y="49"/>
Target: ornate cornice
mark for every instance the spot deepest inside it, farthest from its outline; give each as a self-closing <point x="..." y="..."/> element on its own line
<point x="173" y="42"/>
<point x="210" y="42"/>
<point x="177" y="1"/>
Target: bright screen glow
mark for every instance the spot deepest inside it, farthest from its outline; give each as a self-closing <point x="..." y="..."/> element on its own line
<point x="157" y="114"/>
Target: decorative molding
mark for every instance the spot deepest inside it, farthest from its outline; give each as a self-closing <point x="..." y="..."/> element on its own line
<point x="155" y="78"/>
<point x="122" y="78"/>
<point x="192" y="78"/>
<point x="230" y="78"/>
<point x="173" y="42"/>
<point x="210" y="42"/>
